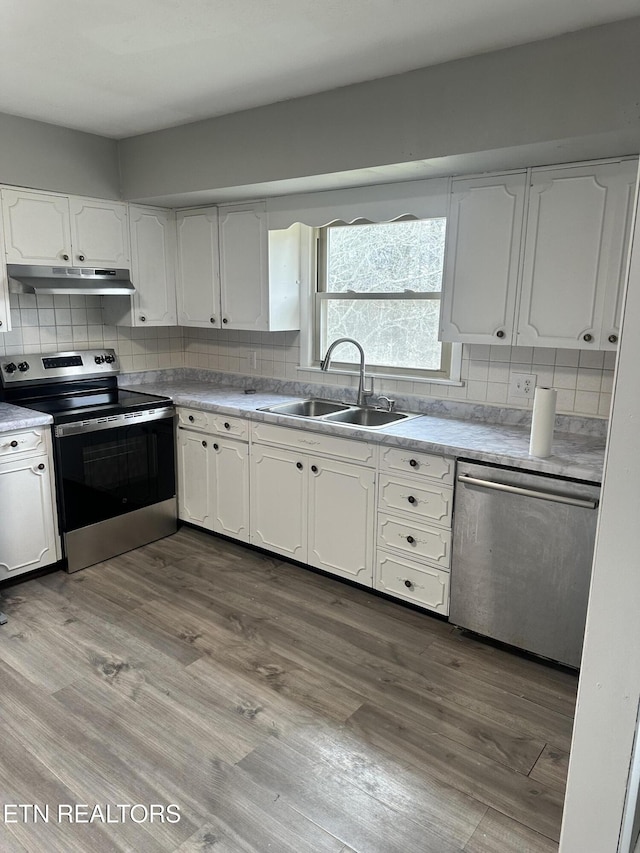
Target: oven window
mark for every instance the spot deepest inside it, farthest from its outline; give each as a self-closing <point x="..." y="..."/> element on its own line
<point x="107" y="473"/>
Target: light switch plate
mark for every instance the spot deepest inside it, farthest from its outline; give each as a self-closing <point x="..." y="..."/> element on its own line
<point x="522" y="385"/>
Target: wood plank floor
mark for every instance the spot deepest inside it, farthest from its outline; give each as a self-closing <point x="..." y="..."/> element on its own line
<point x="281" y="710"/>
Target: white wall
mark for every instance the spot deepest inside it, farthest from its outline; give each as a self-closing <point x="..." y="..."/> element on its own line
<point x="579" y="85"/>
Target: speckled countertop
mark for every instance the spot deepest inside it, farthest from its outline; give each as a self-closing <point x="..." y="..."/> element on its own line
<point x="574" y="455"/>
<point x="15" y="417"/>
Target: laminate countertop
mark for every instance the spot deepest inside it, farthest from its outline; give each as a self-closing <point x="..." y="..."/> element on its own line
<point x="15" y="417"/>
<point x="580" y="457"/>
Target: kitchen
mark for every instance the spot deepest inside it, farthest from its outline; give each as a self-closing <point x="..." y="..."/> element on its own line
<point x="177" y="348"/>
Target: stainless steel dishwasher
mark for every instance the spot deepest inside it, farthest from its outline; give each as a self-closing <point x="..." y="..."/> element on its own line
<point x="521" y="561"/>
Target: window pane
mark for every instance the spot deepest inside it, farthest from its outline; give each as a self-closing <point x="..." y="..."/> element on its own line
<point x="386" y="258"/>
<point x="393" y="333"/>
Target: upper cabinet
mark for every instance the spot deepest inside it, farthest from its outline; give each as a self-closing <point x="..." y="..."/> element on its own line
<point x="539" y="262"/>
<point x="234" y="274"/>
<point x="153" y="271"/>
<point x="46" y="228"/>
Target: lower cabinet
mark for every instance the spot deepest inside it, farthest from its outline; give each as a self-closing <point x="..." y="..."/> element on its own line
<point x="28" y="520"/>
<point x="213" y="476"/>
<point x="314" y="509"/>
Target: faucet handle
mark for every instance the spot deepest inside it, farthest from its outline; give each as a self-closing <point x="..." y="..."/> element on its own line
<point x="388" y="401"/>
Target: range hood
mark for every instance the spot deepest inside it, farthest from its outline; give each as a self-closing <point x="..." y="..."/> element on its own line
<point x="85" y="281"/>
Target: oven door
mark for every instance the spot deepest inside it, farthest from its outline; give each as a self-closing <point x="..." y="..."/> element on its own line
<point x="107" y="472"/>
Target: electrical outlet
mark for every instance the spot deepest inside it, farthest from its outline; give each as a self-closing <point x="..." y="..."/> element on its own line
<point x="522" y="385"/>
<point x="253" y="360"/>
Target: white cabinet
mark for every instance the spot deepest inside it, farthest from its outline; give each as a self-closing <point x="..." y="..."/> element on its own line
<point x="484" y="231"/>
<point x="47" y="228"/>
<point x="232" y="274"/>
<point x="575" y="246"/>
<point x="415" y="510"/>
<point x="28" y="532"/>
<point x="213" y="473"/>
<point x="5" y="312"/>
<point x="309" y="505"/>
<point x="153" y="271"/>
<point x="539" y="259"/>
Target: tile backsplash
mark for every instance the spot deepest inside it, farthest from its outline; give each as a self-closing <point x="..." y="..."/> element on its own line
<point x="584" y="379"/>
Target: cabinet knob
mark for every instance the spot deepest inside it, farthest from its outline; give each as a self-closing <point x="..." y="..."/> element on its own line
<point x="204" y="443"/>
<point x="191" y="418"/>
<point x="65" y="257"/>
<point x="613" y="339"/>
<point x="410" y="540"/>
<point x="299" y="466"/>
<point x="14" y="443"/>
<point x="588" y="338"/>
<point x="212" y="319"/>
<point x="408" y="584"/>
<point x="500" y="333"/>
<point x="0" y="322"/>
<point x="413" y="463"/>
<point x="225" y="321"/>
<point x="41" y="466"/>
<point x="314" y="468"/>
<point x="81" y="257"/>
<point x="143" y="319"/>
<point x="227" y="425"/>
<point x="411" y="499"/>
<point x="216" y="446"/>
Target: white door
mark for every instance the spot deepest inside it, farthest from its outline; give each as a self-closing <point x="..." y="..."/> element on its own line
<point x="195" y="498"/>
<point x="36" y="227"/>
<point x="484" y="232"/>
<point x="571" y="252"/>
<point x="244" y="283"/>
<point x="99" y="233"/>
<point x="341" y="519"/>
<point x="153" y="266"/>
<point x="198" y="287"/>
<point x="230" y="486"/>
<point x="279" y="501"/>
<point x="28" y="538"/>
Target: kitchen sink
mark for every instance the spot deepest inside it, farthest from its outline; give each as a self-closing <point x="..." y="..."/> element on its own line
<point x="307" y="408"/>
<point x="369" y="418"/>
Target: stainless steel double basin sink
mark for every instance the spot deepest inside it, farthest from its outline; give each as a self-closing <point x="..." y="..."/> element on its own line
<point x="339" y="413"/>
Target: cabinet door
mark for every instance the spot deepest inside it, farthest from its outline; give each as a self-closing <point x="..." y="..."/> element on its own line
<point x="198" y="288"/>
<point x="244" y="282"/>
<point x="341" y="518"/>
<point x="230" y="464"/>
<point x="5" y="312"/>
<point x="36" y="228"/>
<point x="28" y="539"/>
<point x="279" y="501"/>
<point x="484" y="232"/>
<point x="195" y="498"/>
<point x="153" y="266"/>
<point x="99" y="233"/>
<point x="571" y="254"/>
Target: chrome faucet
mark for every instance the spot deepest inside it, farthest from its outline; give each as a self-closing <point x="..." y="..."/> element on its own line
<point x="363" y="393"/>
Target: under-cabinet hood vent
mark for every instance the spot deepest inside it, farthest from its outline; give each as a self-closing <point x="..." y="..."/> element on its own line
<point x="85" y="281"/>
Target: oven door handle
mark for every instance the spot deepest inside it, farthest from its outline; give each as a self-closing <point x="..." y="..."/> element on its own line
<point x="99" y="424"/>
<point x="585" y="503"/>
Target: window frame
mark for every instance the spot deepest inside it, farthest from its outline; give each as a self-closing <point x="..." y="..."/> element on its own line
<point x="450" y="360"/>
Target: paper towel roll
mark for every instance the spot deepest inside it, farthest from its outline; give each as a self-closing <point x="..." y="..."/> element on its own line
<point x="543" y="421"/>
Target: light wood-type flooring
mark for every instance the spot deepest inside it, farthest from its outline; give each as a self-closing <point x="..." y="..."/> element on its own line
<point x="280" y="709"/>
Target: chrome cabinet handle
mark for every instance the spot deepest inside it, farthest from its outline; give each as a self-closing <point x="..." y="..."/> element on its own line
<point x="585" y="503"/>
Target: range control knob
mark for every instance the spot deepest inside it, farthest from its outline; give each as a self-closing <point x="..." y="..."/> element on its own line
<point x="23" y="366"/>
<point x="10" y="368"/>
<point x="99" y="359"/>
<point x="109" y="358"/>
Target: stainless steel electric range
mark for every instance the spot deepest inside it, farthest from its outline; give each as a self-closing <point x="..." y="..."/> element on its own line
<point x="114" y="451"/>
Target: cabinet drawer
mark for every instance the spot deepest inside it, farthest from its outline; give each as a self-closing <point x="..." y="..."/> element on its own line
<point x="422" y="585"/>
<point x="213" y="422"/>
<point x="314" y="443"/>
<point x="17" y="444"/>
<point x="417" y="540"/>
<point x="396" y="459"/>
<point x="416" y="499"/>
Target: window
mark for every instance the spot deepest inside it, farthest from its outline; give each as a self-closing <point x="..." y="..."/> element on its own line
<point x="381" y="284"/>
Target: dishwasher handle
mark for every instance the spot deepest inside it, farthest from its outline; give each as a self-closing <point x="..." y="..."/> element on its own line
<point x="585" y="503"/>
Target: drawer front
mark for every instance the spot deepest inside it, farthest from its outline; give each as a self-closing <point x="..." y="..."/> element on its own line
<point x="214" y="422"/>
<point x="312" y="442"/>
<point x="422" y="585"/>
<point x="24" y="442"/>
<point x="416" y="499"/>
<point x="396" y="459"/>
<point x="416" y="540"/>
